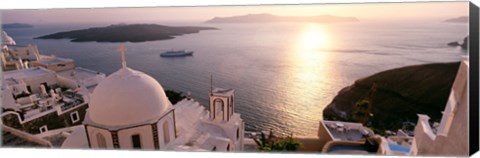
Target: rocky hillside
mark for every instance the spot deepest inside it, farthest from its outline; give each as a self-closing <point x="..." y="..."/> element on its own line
<point x="400" y="95"/>
<point x="463" y="45"/>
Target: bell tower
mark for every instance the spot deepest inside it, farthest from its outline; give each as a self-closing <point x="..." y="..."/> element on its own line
<point x="222" y="104"/>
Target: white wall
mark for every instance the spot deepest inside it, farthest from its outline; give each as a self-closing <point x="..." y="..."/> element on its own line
<point x="92" y="132"/>
<point x="29" y="52"/>
<point x="239" y="142"/>
<point x="169" y="118"/>
<point x="7" y="99"/>
<point x="146" y="137"/>
<point x="63" y="81"/>
<point x="452" y="139"/>
<point x="17" y="89"/>
<point x="35" y="81"/>
<point x="56" y="67"/>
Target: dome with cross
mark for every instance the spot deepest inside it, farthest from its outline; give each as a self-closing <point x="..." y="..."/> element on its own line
<point x="127" y="97"/>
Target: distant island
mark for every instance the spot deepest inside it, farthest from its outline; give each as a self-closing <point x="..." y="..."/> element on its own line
<point x="400" y="94"/>
<point x="267" y="18"/>
<point x="461" y="19"/>
<point x="126" y="33"/>
<point x="16" y="25"/>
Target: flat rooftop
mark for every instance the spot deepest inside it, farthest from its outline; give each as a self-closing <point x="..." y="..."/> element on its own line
<point x="352" y="135"/>
<point x="223" y="92"/>
<point x="80" y="73"/>
<point x="56" y="140"/>
<point x="346" y="130"/>
<point x="19" y="49"/>
<point x="12" y="76"/>
<point x="53" y="60"/>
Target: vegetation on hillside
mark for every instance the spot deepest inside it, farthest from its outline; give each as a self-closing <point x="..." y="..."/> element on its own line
<point x="274" y="143"/>
<point x="400" y="94"/>
<point x="174" y="96"/>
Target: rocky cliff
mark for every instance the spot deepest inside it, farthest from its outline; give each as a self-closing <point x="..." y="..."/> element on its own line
<point x="400" y="95"/>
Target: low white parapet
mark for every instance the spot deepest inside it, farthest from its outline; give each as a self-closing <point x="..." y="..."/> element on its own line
<point x="425" y="126"/>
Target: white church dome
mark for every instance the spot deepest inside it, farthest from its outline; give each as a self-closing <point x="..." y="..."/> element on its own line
<point x="127" y="97"/>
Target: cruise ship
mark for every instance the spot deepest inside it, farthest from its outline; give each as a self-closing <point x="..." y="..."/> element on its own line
<point x="180" y="53"/>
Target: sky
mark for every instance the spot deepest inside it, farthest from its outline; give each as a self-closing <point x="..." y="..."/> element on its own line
<point x="433" y="11"/>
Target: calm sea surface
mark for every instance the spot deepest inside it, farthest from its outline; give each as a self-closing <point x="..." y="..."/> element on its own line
<point x="284" y="73"/>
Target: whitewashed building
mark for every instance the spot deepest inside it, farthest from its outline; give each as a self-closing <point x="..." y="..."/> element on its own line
<point x="36" y="99"/>
<point x="451" y="136"/>
<point x="30" y="53"/>
<point x="15" y="57"/>
<point x="54" y="63"/>
<point x="35" y="102"/>
<point x="39" y="98"/>
<point x="6" y="39"/>
<point x="129" y="110"/>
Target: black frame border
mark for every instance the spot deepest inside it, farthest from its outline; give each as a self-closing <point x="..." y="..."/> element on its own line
<point x="473" y="83"/>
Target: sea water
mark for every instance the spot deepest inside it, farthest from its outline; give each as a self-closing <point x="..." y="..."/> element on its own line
<point x="284" y="74"/>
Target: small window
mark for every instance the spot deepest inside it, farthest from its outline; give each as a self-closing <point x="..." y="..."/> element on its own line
<point x="29" y="89"/>
<point x="214" y="148"/>
<point x="74" y="117"/>
<point x="43" y="129"/>
<point x="219" y="103"/>
<point x="166" y="133"/>
<point x="231" y="106"/>
<point x="238" y="133"/>
<point x="136" y="141"/>
<point x="228" y="147"/>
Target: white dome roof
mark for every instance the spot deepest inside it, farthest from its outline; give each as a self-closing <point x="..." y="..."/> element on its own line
<point x="127" y="97"/>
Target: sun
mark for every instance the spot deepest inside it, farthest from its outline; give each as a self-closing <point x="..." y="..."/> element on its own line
<point x="313" y="38"/>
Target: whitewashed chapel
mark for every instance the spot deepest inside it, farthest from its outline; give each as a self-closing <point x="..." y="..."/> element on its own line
<point x="129" y="110"/>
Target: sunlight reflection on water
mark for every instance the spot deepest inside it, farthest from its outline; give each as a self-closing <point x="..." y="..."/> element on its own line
<point x="284" y="73"/>
<point x="310" y="76"/>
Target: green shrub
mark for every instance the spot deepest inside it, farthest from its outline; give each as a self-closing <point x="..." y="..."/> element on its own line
<point x="174" y="96"/>
<point x="273" y="143"/>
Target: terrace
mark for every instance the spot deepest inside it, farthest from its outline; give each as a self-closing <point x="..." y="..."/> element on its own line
<point x="88" y="78"/>
<point x="349" y="149"/>
<point x="371" y="145"/>
<point x="35" y="105"/>
<point x="70" y="100"/>
<point x="346" y="131"/>
<point x="27" y="73"/>
<point x="53" y="60"/>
